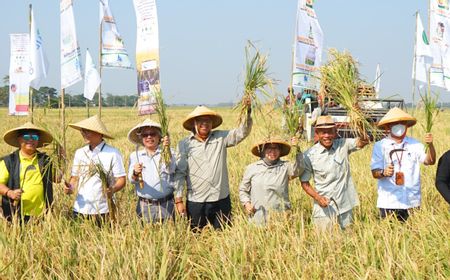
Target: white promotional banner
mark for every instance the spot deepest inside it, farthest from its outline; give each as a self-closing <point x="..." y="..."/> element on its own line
<point x="70" y="51"/>
<point x="91" y="78"/>
<point x="114" y="53"/>
<point x="147" y="54"/>
<point x="423" y="57"/>
<point x="19" y="75"/>
<point x="308" y="47"/>
<point x="38" y="60"/>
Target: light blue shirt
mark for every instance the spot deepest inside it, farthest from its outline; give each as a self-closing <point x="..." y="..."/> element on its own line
<point x="158" y="178"/>
<point x="390" y="195"/>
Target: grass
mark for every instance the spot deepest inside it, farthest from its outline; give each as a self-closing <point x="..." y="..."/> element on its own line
<point x="59" y="248"/>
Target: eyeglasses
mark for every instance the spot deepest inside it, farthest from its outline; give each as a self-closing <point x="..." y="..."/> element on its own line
<point x="28" y="137"/>
<point x="151" y="134"/>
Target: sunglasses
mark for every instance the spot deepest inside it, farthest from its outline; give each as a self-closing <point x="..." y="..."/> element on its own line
<point x="151" y="134"/>
<point x="28" y="137"/>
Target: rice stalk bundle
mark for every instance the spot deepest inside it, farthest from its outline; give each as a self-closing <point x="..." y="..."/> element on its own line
<point x="340" y="81"/>
<point x="97" y="169"/>
<point x="292" y="114"/>
<point x="161" y="110"/>
<point x="431" y="111"/>
<point x="256" y="80"/>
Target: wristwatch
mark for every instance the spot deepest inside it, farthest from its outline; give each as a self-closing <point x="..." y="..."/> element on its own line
<point x="382" y="173"/>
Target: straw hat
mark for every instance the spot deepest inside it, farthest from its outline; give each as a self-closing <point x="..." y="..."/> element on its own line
<point x="325" y="122"/>
<point x="133" y="134"/>
<point x="397" y="115"/>
<point x="258" y="148"/>
<point x="202" y="111"/>
<point x="11" y="135"/>
<point x="93" y="123"/>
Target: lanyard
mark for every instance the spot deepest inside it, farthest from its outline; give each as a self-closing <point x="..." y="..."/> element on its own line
<point x="399" y="159"/>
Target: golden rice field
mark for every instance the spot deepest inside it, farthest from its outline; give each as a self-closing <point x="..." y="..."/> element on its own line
<point x="288" y="248"/>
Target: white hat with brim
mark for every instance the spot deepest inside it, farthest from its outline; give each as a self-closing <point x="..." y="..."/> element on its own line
<point x="11" y="136"/>
<point x="199" y="112"/>
<point x="133" y="134"/>
<point x="325" y="122"/>
<point x="396" y="115"/>
<point x="93" y="123"/>
<point x="258" y="148"/>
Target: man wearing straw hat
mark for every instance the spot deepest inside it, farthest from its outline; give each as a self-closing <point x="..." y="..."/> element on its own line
<point x="264" y="189"/>
<point x="396" y="164"/>
<point x="202" y="166"/>
<point x="147" y="171"/>
<point x="328" y="163"/>
<point x="97" y="172"/>
<point x="26" y="175"/>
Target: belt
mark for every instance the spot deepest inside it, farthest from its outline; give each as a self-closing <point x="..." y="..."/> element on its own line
<point x="156" y="201"/>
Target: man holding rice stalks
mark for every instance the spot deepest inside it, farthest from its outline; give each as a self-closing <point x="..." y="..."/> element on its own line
<point x="97" y="173"/>
<point x="148" y="172"/>
<point x="327" y="162"/>
<point x="396" y="164"/>
<point x="26" y="175"/>
<point x="264" y="189"/>
<point x="202" y="166"/>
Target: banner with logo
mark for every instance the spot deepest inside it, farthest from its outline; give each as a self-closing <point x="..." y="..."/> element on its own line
<point x="38" y="59"/>
<point x="70" y="51"/>
<point x="308" y="47"/>
<point x="19" y="74"/>
<point x="114" y="53"/>
<point x="147" y="54"/>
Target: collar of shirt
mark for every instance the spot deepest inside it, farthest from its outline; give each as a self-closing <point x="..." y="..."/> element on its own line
<point x="261" y="162"/>
<point x="192" y="136"/>
<point x="97" y="148"/>
<point x="23" y="158"/>
<point x="322" y="149"/>
<point x="145" y="153"/>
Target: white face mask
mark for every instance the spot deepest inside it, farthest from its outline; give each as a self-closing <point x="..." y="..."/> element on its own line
<point x="398" y="130"/>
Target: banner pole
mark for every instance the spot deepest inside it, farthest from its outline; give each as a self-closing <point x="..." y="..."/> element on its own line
<point x="30" y="89"/>
<point x="100" y="70"/>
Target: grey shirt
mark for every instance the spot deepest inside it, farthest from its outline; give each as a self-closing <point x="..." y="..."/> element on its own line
<point x="202" y="166"/>
<point x="331" y="172"/>
<point x="266" y="186"/>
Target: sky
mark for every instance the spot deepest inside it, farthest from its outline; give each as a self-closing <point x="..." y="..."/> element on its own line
<point x="202" y="42"/>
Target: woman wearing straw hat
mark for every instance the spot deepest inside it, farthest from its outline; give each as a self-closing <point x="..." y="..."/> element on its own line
<point x="202" y="166"/>
<point x="149" y="174"/>
<point x="327" y="162"/>
<point x="94" y="164"/>
<point x="265" y="185"/>
<point x="26" y="175"/>
<point x="396" y="164"/>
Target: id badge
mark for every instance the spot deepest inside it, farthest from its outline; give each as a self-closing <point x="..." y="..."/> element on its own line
<point x="399" y="178"/>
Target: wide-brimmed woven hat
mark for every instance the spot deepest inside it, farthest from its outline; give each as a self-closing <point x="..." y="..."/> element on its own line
<point x="397" y="115"/>
<point x="258" y="148"/>
<point x="133" y="134"/>
<point x="10" y="137"/>
<point x="202" y="111"/>
<point x="93" y="123"/>
<point x="325" y="122"/>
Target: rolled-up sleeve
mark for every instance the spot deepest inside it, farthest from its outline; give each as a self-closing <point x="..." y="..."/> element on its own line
<point x="238" y="134"/>
<point x="443" y="176"/>
<point x="181" y="169"/>
<point x="245" y="187"/>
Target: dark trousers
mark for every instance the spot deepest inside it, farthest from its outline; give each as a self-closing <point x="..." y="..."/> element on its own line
<point x="98" y="219"/>
<point x="217" y="213"/>
<point x="400" y="214"/>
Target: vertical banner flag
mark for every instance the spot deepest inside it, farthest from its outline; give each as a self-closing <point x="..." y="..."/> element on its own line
<point x="38" y="60"/>
<point x="19" y="74"/>
<point x="377" y="80"/>
<point x="114" y="53"/>
<point x="147" y="54"/>
<point x="439" y="42"/>
<point x="70" y="51"/>
<point x="91" y="78"/>
<point x="308" y="46"/>
<point x="423" y="55"/>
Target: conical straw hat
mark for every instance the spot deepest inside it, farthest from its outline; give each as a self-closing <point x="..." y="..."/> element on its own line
<point x="202" y="111"/>
<point x="258" y="148"/>
<point x="11" y="135"/>
<point x="93" y="123"/>
<point x="397" y="115"/>
<point x="133" y="134"/>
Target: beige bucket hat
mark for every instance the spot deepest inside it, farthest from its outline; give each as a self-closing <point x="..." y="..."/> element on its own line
<point x="325" y="122"/>
<point x="258" y="148"/>
<point x="93" y="123"/>
<point x="133" y="134"/>
<point x="202" y="111"/>
<point x="10" y="137"/>
<point x="397" y="115"/>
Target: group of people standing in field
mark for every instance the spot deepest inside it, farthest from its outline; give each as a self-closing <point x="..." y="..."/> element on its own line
<point x="194" y="182"/>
